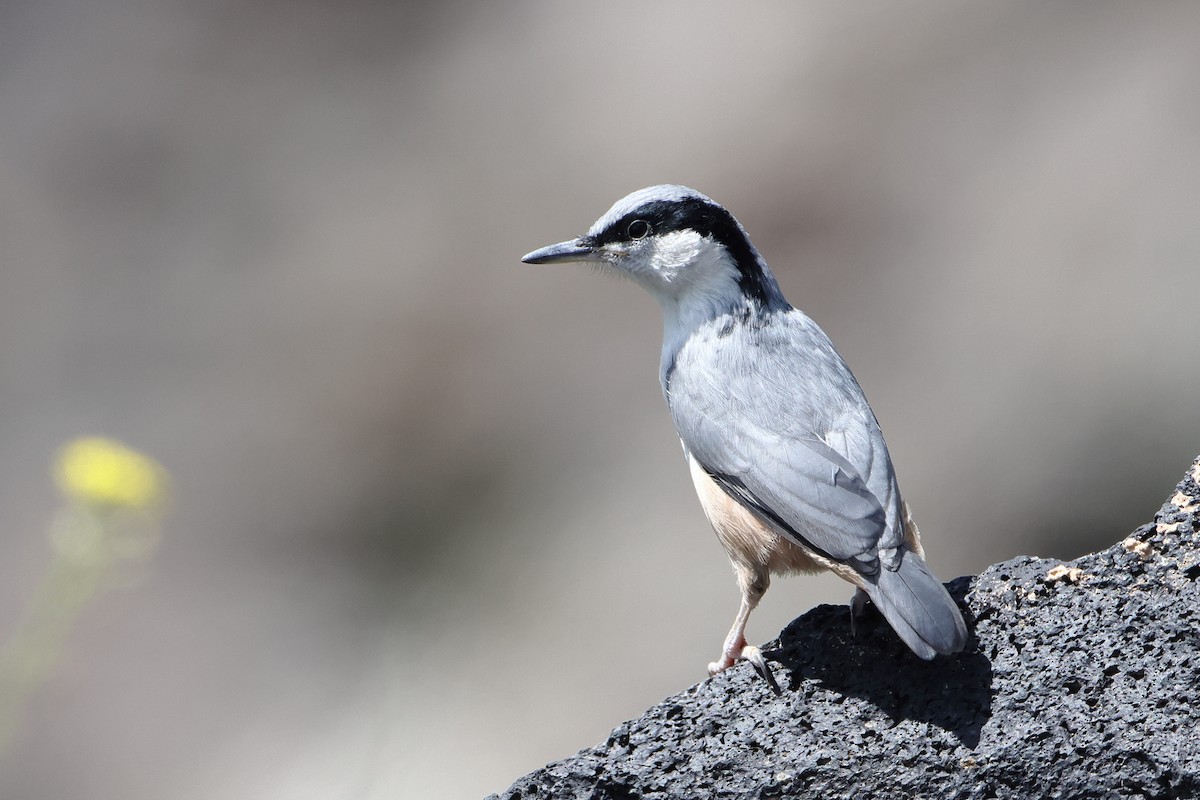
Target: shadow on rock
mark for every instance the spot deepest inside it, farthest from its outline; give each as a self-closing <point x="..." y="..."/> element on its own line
<point x="951" y="692"/>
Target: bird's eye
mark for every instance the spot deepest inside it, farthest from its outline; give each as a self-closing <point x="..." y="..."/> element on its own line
<point x="638" y="229"/>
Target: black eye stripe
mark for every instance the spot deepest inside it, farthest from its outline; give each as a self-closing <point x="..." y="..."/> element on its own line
<point x="706" y="219"/>
<point x="667" y="216"/>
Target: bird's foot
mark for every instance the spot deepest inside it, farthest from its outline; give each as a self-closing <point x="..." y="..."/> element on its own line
<point x="735" y="646"/>
<point x="720" y="666"/>
<point x="858" y="605"/>
<point x="756" y="659"/>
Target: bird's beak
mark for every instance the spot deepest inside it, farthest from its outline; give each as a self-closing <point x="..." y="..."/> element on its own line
<point x="574" y="250"/>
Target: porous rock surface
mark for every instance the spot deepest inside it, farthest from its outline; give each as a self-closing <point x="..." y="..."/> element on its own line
<point x="1080" y="680"/>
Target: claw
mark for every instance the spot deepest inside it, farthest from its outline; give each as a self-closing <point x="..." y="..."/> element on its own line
<point x="755" y="657"/>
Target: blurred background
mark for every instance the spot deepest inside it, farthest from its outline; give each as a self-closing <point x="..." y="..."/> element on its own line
<point x="430" y="524"/>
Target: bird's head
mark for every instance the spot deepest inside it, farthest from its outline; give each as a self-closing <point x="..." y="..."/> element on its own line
<point x="683" y="247"/>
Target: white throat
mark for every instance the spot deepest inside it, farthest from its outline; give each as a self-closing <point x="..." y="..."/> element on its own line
<point x="694" y="280"/>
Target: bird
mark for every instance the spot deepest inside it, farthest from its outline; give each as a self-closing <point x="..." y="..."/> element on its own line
<point x="786" y="455"/>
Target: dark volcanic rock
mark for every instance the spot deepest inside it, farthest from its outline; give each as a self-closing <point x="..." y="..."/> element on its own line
<point x="1081" y="679"/>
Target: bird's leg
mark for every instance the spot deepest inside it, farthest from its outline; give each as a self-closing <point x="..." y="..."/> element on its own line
<point x="735" y="642"/>
<point x="858" y="605"/>
<point x="753" y="581"/>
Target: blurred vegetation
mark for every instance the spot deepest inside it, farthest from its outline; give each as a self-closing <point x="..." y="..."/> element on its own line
<point x="113" y="501"/>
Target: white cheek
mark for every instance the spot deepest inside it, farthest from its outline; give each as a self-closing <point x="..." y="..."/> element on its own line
<point x="673" y="252"/>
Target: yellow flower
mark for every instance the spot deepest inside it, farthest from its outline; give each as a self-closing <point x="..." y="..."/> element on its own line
<point x="104" y="472"/>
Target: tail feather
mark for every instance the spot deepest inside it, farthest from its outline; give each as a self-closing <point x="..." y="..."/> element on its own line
<point x="918" y="607"/>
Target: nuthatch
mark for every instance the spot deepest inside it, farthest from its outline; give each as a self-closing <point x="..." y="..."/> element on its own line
<point x="786" y="455"/>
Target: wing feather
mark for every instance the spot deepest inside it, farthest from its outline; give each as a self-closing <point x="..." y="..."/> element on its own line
<point x="773" y="414"/>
